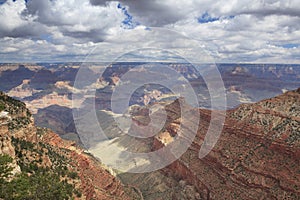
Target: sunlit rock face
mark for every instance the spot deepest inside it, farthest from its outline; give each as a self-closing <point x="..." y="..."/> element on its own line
<point x="256" y="156"/>
<point x="27" y="144"/>
<point x="256" y="140"/>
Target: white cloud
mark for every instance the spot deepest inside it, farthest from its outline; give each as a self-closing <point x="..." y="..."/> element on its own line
<point x="241" y="31"/>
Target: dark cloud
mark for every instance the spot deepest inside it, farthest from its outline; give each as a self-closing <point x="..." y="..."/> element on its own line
<point x="98" y="2"/>
<point x="94" y="35"/>
<point x="159" y="13"/>
<point x="262" y="12"/>
<point x="148" y="12"/>
<point x="29" y="30"/>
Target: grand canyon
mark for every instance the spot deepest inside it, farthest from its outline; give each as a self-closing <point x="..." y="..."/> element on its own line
<point x="257" y="155"/>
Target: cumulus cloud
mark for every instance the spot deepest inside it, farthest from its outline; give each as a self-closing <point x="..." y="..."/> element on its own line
<point x="231" y="31"/>
<point x="73" y="18"/>
<point x="150" y="13"/>
<point x="12" y="24"/>
<point x="159" y="13"/>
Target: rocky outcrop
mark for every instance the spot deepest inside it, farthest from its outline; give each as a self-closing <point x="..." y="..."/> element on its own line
<point x="96" y="181"/>
<point x="12" y="76"/>
<point x="7" y="148"/>
<point x="48" y="100"/>
<point x="256" y="157"/>
<point x="35" y="148"/>
<point x="57" y="118"/>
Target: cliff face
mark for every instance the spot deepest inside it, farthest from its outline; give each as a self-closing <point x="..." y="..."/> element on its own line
<point x="96" y="182"/>
<point x="36" y="152"/>
<point x="256" y="157"/>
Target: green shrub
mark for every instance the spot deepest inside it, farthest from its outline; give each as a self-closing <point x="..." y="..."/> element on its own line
<point x="73" y="175"/>
<point x="2" y="106"/>
<point x="42" y="184"/>
<point x="5" y="170"/>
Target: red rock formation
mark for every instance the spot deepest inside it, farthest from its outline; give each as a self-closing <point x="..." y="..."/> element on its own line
<point x="256" y="157"/>
<point x="97" y="183"/>
<point x="94" y="180"/>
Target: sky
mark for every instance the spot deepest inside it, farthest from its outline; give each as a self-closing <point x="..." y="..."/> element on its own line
<point x="239" y="31"/>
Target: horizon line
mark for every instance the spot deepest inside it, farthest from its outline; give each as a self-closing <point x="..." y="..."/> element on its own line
<point x="107" y="62"/>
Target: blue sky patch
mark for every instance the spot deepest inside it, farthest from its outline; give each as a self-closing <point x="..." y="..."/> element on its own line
<point x="47" y="37"/>
<point x="206" y="18"/>
<point x="128" y="22"/>
<point x="290" y="46"/>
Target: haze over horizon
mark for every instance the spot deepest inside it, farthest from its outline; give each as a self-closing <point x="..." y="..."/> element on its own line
<point x="265" y="31"/>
